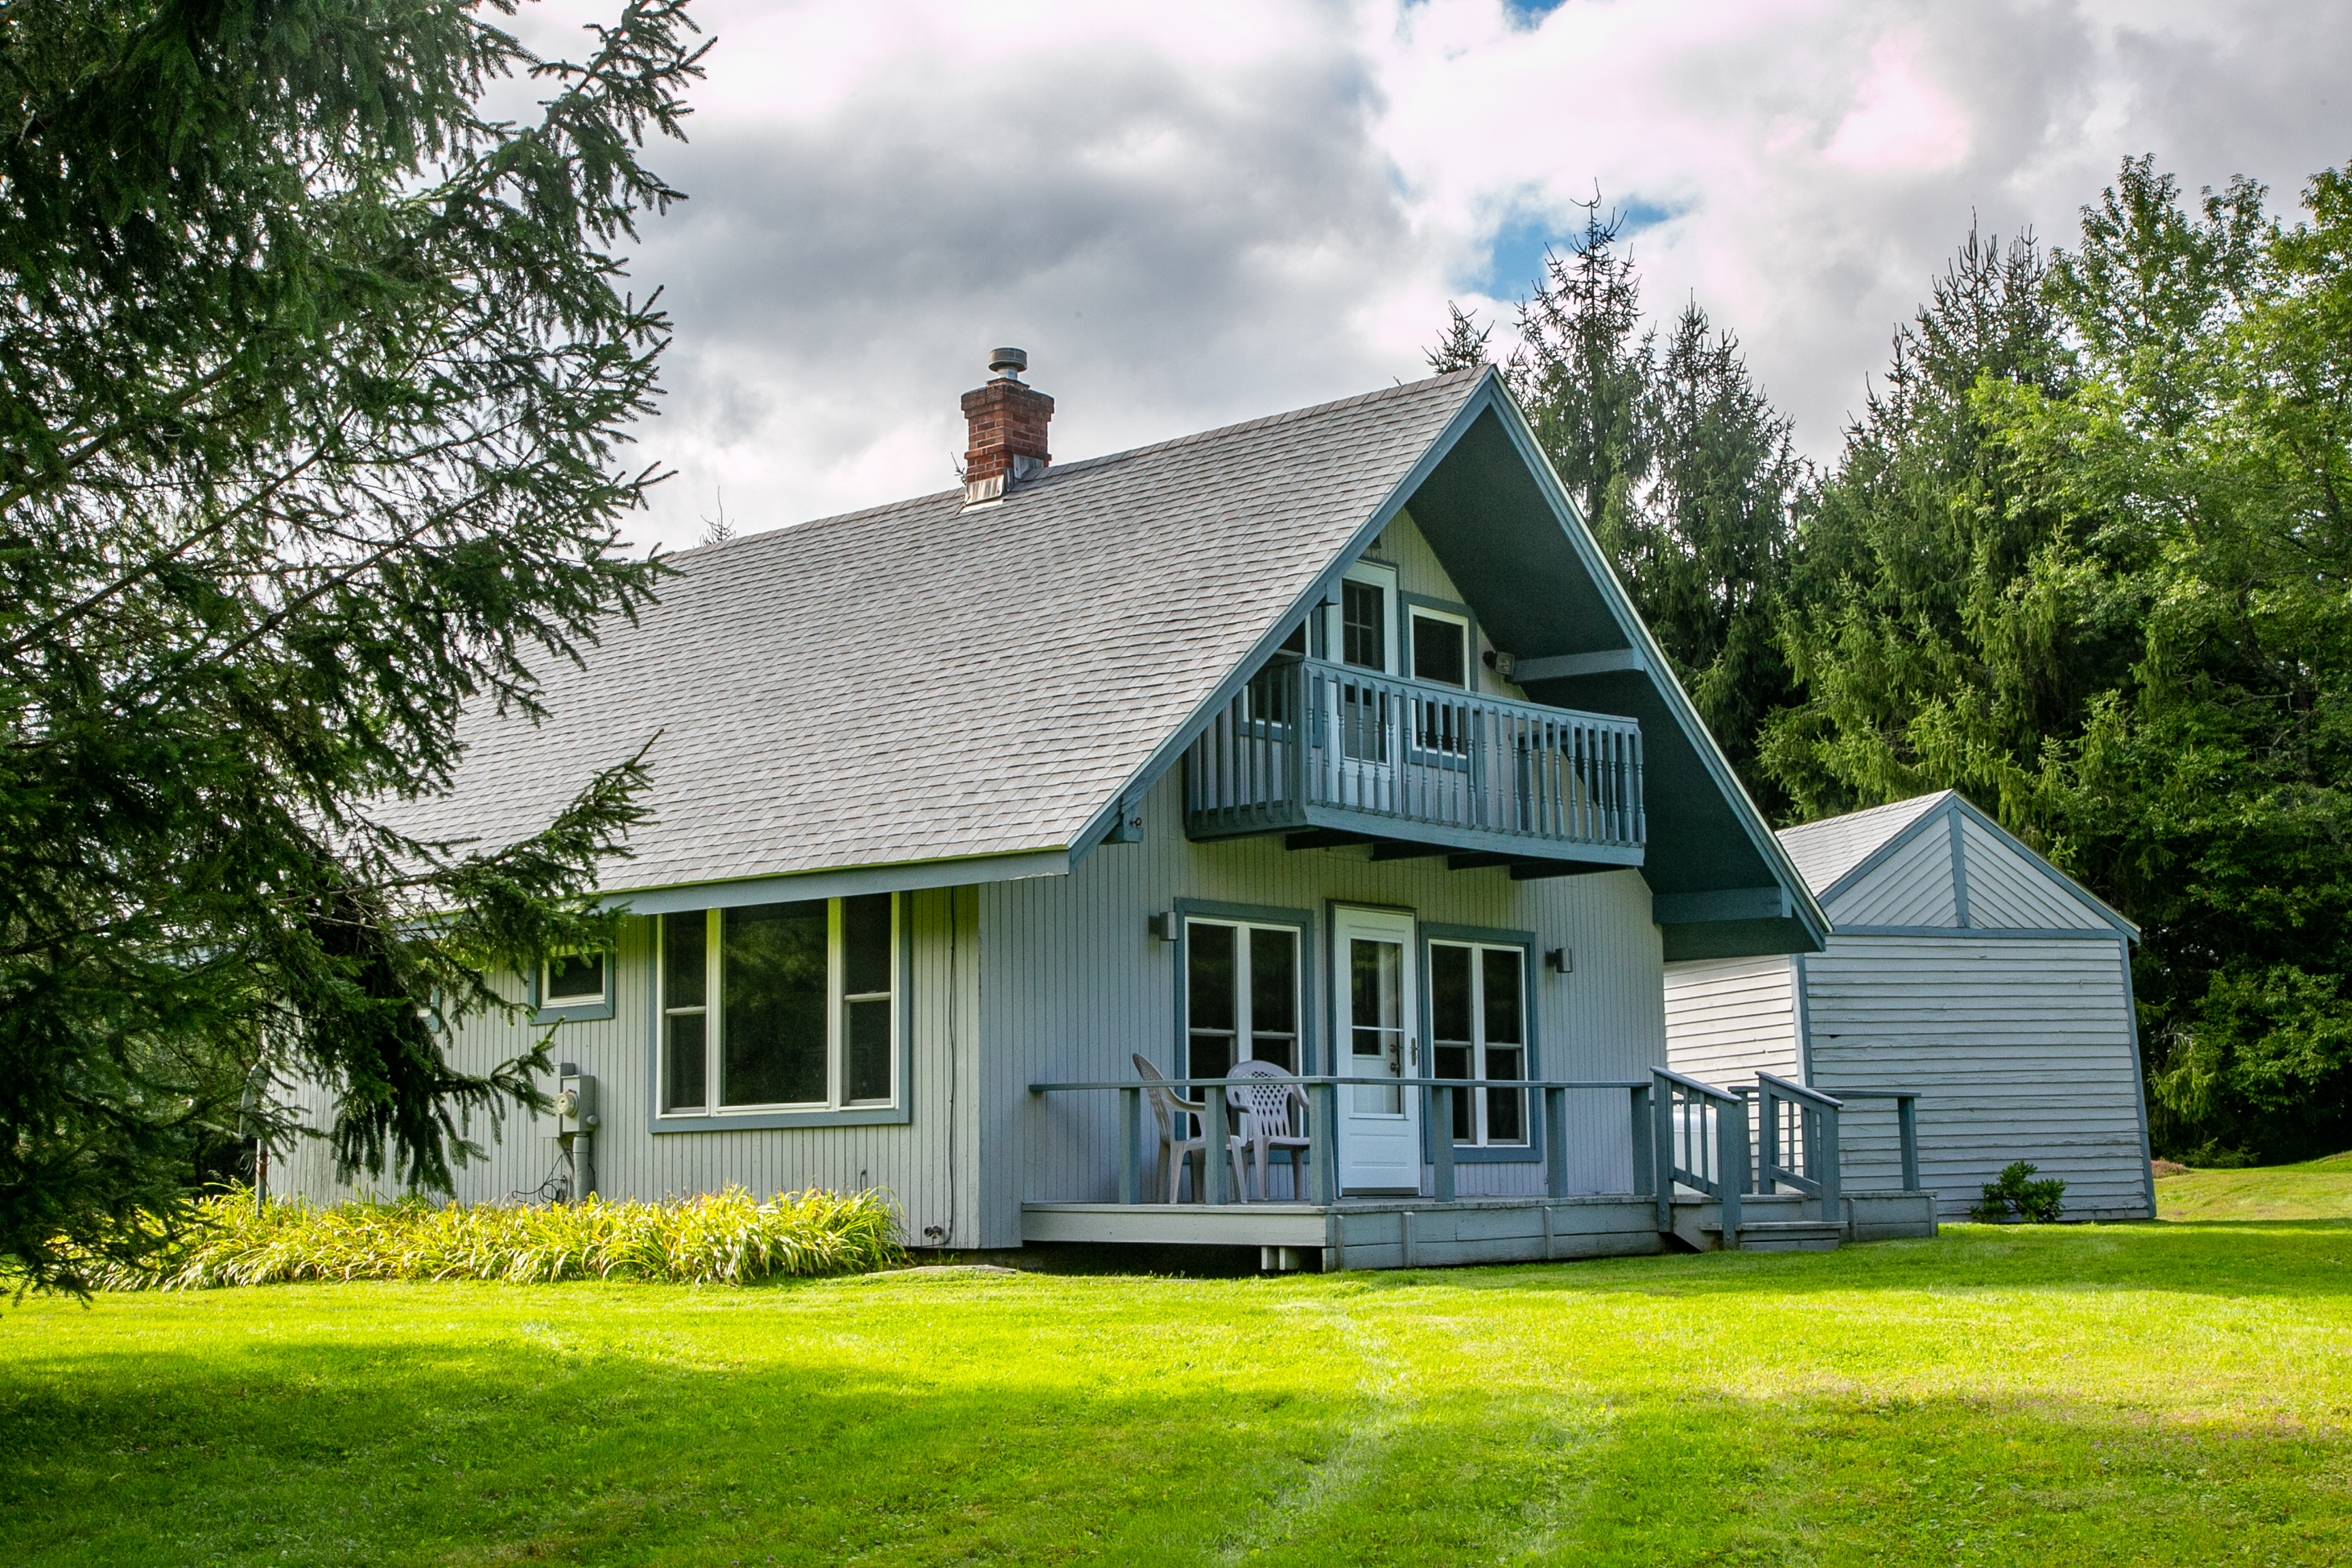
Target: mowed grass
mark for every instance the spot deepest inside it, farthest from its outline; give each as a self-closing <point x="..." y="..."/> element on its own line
<point x="2316" y="1189"/>
<point x="2135" y="1394"/>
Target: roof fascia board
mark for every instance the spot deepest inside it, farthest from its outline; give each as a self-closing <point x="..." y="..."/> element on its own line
<point x="1805" y="908"/>
<point x="1879" y="857"/>
<point x="1326" y="583"/>
<point x="2088" y="900"/>
<point x="905" y="877"/>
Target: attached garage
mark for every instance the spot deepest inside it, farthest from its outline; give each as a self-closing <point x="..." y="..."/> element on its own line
<point x="1961" y="966"/>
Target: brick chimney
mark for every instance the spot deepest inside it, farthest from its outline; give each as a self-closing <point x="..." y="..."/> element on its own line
<point x="1007" y="420"/>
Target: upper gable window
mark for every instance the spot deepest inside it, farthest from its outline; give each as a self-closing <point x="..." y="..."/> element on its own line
<point x="1363" y="625"/>
<point x="1441" y="648"/>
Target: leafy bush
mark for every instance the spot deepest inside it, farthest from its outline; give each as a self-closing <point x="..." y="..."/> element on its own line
<point x="2017" y="1193"/>
<point x="727" y="1237"/>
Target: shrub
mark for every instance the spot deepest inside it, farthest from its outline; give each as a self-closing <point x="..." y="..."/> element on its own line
<point x="728" y="1238"/>
<point x="2017" y="1193"/>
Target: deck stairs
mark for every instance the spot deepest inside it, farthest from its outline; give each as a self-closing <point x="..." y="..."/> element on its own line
<point x="1782" y="1222"/>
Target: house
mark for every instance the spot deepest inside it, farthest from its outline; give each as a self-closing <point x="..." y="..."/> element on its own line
<point x="1327" y="740"/>
<point x="1963" y="967"/>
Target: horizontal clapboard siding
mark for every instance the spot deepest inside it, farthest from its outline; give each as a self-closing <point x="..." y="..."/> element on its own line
<point x="1728" y="1019"/>
<point x="1072" y="982"/>
<point x="928" y="1164"/>
<point x="2020" y="1050"/>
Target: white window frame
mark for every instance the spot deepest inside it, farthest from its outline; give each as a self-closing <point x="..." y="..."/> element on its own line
<point x="1244" y="1034"/>
<point x="836" y="1033"/>
<point x="1335" y="637"/>
<point x="548" y="998"/>
<point x="1478" y="1043"/>
<point x="1469" y="645"/>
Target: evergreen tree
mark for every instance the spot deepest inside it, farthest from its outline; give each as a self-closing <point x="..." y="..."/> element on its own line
<point x="314" y="380"/>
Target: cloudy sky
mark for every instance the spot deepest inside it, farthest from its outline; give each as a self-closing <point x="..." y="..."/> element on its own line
<point x="1195" y="213"/>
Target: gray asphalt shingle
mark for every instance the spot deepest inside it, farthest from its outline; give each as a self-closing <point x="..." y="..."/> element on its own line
<point x="916" y="682"/>
<point x="1826" y="851"/>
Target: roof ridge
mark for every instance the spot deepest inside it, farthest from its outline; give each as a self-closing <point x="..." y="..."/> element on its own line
<point x="1080" y="465"/>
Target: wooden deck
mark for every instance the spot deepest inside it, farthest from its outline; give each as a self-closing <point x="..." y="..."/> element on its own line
<point x="1419" y="1232"/>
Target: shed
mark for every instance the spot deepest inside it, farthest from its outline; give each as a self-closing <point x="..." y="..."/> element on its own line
<point x="1962" y="967"/>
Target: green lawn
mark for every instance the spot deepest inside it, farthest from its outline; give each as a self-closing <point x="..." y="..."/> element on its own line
<point x="2318" y="1189"/>
<point x="2168" y="1393"/>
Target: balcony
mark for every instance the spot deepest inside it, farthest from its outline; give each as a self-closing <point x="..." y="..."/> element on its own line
<point x="1331" y="754"/>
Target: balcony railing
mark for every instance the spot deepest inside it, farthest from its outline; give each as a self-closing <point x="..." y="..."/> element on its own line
<point x="1309" y="743"/>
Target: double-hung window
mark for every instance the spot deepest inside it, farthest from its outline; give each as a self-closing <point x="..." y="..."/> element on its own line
<point x="1478" y="1030"/>
<point x="1241" y="996"/>
<point x="780" y="1006"/>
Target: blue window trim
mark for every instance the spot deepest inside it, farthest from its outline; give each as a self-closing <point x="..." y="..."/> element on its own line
<point x="574" y="1011"/>
<point x="1301" y="921"/>
<point x="1408" y="603"/>
<point x="1531" y="1152"/>
<point x="899" y="1115"/>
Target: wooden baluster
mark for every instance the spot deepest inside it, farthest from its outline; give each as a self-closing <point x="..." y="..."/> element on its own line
<point x="1440" y="1102"/>
<point x="1131" y="1139"/>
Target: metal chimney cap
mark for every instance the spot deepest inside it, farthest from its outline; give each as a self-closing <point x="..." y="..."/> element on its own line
<point x="1008" y="363"/>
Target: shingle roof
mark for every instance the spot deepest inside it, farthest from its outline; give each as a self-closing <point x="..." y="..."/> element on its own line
<point x="1826" y="851"/>
<point x="917" y="682"/>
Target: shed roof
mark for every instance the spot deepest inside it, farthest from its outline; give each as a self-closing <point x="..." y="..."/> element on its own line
<point x="1840" y="855"/>
<point x="1828" y="850"/>
<point x="917" y="682"/>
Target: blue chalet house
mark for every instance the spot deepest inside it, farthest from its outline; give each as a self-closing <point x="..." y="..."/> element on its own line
<point x="1327" y="740"/>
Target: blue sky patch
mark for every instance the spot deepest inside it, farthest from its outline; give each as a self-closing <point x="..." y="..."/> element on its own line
<point x="1515" y="256"/>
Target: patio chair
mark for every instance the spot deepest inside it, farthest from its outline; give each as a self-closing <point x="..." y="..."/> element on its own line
<point x="1180" y="1122"/>
<point x="1274" y="1110"/>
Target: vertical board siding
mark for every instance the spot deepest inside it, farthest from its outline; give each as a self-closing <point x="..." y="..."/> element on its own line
<point x="1912" y="887"/>
<point x="1728" y="1019"/>
<point x="929" y="1165"/>
<point x="1403" y="545"/>
<point x="2011" y="891"/>
<point x="2019" y="1049"/>
<point x="1072" y="982"/>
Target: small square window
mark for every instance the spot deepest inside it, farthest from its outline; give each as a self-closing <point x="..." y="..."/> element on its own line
<point x="574" y="978"/>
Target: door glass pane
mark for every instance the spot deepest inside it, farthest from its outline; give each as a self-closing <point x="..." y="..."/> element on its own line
<point x="1274" y="996"/>
<point x="1503" y="973"/>
<point x="771" y="1047"/>
<point x="866" y="944"/>
<point x="1438" y="654"/>
<point x="1502" y="965"/>
<point x="1210" y="1009"/>
<point x="682" y="958"/>
<point x="1376" y="1020"/>
<point x="871" y="1059"/>
<point x="685" y="1064"/>
<point x="1363" y="625"/>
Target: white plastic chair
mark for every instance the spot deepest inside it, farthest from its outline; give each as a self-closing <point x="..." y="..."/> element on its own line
<point x="1273" y="1110"/>
<point x="1179" y="1121"/>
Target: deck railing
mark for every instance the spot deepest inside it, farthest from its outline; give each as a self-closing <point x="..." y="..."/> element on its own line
<point x="1307" y="737"/>
<point x="1702" y="1143"/>
<point x="1322" y="1117"/>
<point x="1797" y="1142"/>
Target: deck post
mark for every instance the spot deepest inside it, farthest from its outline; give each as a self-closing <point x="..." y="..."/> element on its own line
<point x="1645" y="1157"/>
<point x="1323" y="1145"/>
<point x="1441" y="1141"/>
<point x="1768" y="1131"/>
<point x="1662" y="1143"/>
<point x="1831" y="1209"/>
<point x="1907" y="1126"/>
<point x="1555" y="1132"/>
<point x="1732" y="1166"/>
<point x="1215" y="1153"/>
<point x="1131" y="1138"/>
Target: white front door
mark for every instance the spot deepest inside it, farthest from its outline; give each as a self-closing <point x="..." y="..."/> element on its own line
<point x="1376" y="1000"/>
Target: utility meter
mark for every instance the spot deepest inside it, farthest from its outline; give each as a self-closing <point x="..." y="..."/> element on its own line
<point x="575" y="1126"/>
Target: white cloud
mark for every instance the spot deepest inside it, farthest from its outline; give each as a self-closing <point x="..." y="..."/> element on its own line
<point x="1190" y="215"/>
